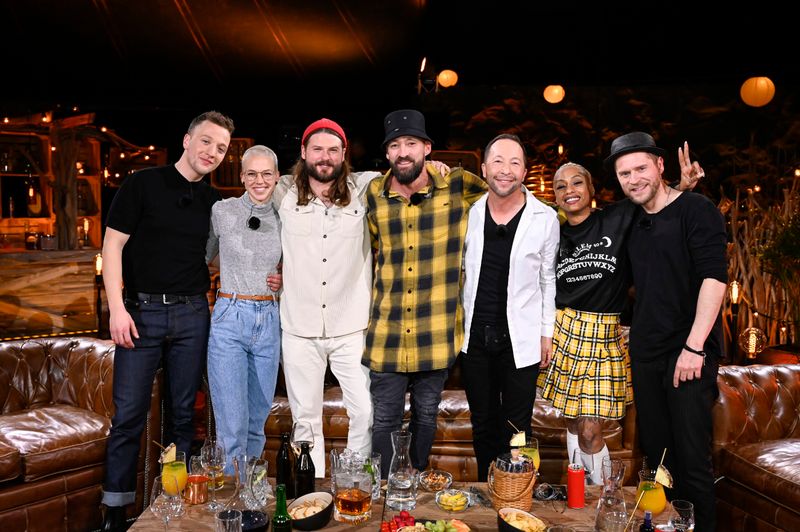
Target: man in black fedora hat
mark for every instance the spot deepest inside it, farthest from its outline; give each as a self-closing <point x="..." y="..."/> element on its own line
<point x="417" y="220"/>
<point x="677" y="255"/>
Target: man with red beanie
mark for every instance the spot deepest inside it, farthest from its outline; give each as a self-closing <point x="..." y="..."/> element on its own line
<point x="327" y="276"/>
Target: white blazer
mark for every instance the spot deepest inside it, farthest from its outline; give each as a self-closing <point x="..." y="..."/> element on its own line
<point x="531" y="307"/>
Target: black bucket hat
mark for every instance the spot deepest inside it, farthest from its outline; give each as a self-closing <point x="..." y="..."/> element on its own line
<point x="404" y="122"/>
<point x="632" y="143"/>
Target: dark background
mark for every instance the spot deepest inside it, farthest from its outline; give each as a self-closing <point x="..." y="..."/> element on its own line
<point x="147" y="67"/>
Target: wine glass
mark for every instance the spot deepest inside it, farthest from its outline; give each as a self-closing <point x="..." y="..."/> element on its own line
<point x="681" y="516"/>
<point x="301" y="432"/>
<point x="212" y="456"/>
<point x="165" y="500"/>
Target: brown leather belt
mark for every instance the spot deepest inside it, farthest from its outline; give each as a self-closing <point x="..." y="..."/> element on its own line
<point x="249" y="298"/>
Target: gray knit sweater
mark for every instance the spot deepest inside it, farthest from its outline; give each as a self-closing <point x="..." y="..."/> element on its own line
<point x="246" y="256"/>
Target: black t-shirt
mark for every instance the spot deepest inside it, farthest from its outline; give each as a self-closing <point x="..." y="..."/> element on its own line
<point x="592" y="270"/>
<point x="671" y="253"/>
<point x="167" y="218"/>
<point x="491" y="299"/>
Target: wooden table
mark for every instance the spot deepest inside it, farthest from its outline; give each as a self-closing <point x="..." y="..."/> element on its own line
<point x="479" y="518"/>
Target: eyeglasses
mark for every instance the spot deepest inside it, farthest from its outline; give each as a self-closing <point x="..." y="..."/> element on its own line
<point x="253" y="222"/>
<point x="266" y="175"/>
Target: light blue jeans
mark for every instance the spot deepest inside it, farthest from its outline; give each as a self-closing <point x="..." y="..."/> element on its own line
<point x="243" y="356"/>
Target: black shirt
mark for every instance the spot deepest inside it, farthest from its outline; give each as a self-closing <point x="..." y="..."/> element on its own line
<point x="167" y="218"/>
<point x="592" y="270"/>
<point x="672" y="252"/>
<point x="491" y="299"/>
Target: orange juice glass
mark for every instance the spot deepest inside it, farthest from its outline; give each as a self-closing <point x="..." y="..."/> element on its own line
<point x="651" y="492"/>
<point x="176" y="470"/>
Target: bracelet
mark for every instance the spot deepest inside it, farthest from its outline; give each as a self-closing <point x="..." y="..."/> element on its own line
<point x="695" y="351"/>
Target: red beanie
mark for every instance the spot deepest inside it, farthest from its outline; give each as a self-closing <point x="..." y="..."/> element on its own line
<point x="324" y="123"/>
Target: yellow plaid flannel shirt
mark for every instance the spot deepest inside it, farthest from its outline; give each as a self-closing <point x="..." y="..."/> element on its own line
<point x="416" y="322"/>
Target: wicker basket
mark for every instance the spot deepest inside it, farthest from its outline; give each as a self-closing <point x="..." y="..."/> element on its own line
<point x="511" y="490"/>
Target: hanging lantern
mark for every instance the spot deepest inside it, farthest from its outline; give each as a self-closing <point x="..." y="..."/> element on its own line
<point x="752" y="341"/>
<point x="758" y="91"/>
<point x="554" y="93"/>
<point x="447" y="78"/>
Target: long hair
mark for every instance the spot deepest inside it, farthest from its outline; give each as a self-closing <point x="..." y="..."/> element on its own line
<point x="338" y="193"/>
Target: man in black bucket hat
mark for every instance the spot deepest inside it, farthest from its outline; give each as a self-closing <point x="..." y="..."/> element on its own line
<point x="677" y="255"/>
<point x="417" y="220"/>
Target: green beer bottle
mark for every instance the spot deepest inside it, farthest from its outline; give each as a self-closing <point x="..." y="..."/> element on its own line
<point x="281" y="520"/>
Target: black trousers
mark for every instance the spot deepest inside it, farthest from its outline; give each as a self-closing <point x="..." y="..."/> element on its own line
<point x="497" y="392"/>
<point x="679" y="420"/>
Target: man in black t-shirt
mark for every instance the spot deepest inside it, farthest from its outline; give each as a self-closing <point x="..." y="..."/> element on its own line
<point x="677" y="254"/>
<point x="154" y="246"/>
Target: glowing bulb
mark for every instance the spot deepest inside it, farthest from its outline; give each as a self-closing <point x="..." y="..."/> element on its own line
<point x="561" y="149"/>
<point x="30" y="191"/>
<point x="121" y="155"/>
<point x="554" y="93"/>
<point x="734" y="292"/>
<point x="6" y="120"/>
<point x="146" y="157"/>
<point x="751" y="344"/>
<point x="52" y="148"/>
<point x="98" y="264"/>
<point x="594" y="203"/>
<point x="151" y="147"/>
<point x="104" y="129"/>
<point x="757" y="188"/>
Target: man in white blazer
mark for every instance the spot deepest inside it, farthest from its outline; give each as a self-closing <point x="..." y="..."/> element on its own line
<point x="509" y="300"/>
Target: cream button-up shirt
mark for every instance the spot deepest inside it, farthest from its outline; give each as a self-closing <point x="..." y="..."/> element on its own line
<point x="327" y="262"/>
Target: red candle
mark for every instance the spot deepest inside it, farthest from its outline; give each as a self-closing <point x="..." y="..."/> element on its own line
<point x="575" y="486"/>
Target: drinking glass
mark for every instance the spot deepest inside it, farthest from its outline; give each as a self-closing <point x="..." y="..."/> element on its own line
<point x="228" y="521"/>
<point x="651" y="492"/>
<point x="212" y="457"/>
<point x="165" y="503"/>
<point x="176" y="470"/>
<point x="531" y="450"/>
<point x="374" y="469"/>
<point x="353" y="496"/>
<point x="258" y="482"/>
<point x="681" y="516"/>
<point x="301" y="432"/>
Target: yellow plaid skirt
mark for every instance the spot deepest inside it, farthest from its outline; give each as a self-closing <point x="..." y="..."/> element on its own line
<point x="590" y="374"/>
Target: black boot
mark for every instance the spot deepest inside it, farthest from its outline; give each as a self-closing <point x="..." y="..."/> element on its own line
<point x="114" y="519"/>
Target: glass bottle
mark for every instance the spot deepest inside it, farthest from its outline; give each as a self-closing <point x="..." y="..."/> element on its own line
<point x="281" y="520"/>
<point x="401" y="491"/>
<point x="647" y="526"/>
<point x="611" y="509"/>
<point x="304" y="472"/>
<point x="284" y="464"/>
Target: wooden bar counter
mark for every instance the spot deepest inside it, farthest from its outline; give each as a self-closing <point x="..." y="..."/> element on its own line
<point x="45" y="293"/>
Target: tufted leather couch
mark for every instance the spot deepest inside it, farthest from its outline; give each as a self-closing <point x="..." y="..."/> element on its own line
<point x="55" y="414"/>
<point x="452" y="449"/>
<point x="757" y="447"/>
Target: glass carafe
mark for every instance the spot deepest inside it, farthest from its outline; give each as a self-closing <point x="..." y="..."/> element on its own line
<point x="401" y="492"/>
<point x="612" y="513"/>
<point x="253" y="518"/>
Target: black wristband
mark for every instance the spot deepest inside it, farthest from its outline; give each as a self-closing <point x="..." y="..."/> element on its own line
<point x="695" y="351"/>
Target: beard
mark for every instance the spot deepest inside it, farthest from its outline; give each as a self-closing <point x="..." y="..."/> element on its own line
<point x="407" y="176"/>
<point x="335" y="173"/>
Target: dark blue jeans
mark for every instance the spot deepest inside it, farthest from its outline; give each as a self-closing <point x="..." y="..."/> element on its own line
<point x="498" y="393"/>
<point x="389" y="401"/>
<point x="176" y="333"/>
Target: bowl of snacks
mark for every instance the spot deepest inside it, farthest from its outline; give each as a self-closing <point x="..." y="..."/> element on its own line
<point x="452" y="500"/>
<point x="514" y="520"/>
<point x="435" y="479"/>
<point x="311" y="511"/>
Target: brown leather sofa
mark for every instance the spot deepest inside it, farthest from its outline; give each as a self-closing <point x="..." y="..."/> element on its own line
<point x="757" y="448"/>
<point x="55" y="414"/>
<point x="452" y="449"/>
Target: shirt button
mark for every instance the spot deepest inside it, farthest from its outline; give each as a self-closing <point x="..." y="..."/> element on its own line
<point x="323" y="306"/>
<point x="408" y="309"/>
<point x="411" y="269"/>
<point x="408" y="330"/>
<point x="324" y="283"/>
<point x="409" y="290"/>
<point x="410" y="247"/>
<point x="410" y="226"/>
<point x="324" y="260"/>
